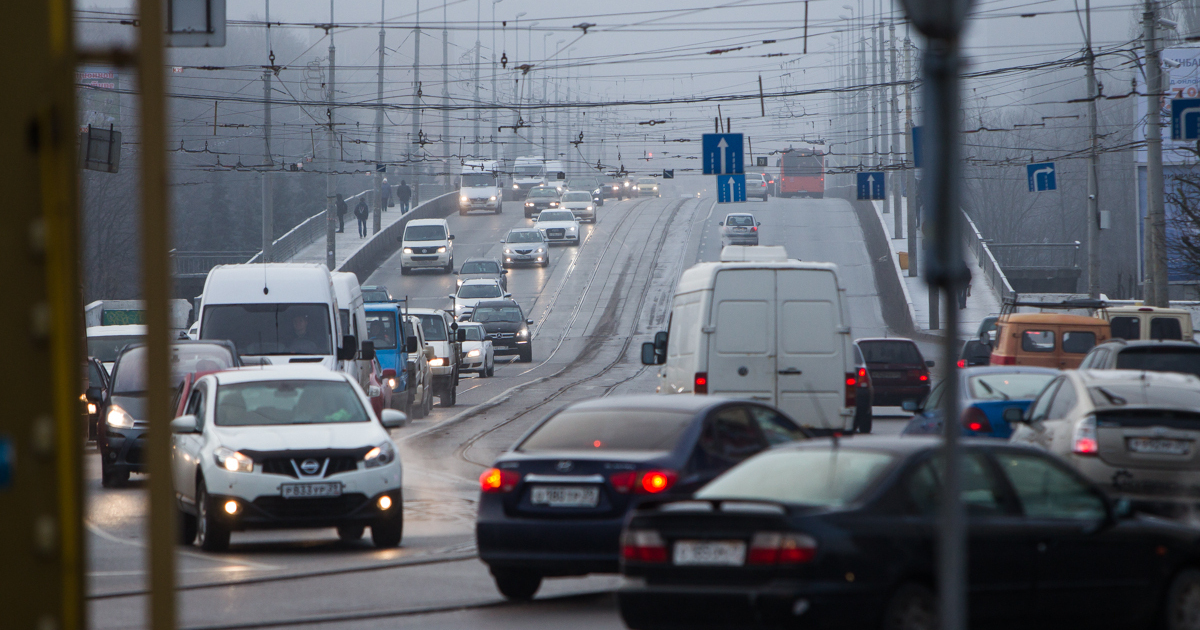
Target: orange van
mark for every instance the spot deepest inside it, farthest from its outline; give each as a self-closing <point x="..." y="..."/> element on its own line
<point x="1050" y="340"/>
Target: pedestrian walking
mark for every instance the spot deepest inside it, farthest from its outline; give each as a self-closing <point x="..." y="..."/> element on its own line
<point x="361" y="212"/>
<point x="404" y="193"/>
<point x="386" y="190"/>
<point x="341" y="213"/>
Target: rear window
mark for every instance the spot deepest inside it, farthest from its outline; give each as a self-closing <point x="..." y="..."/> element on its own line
<point x="1167" y="359"/>
<point x="611" y="430"/>
<point x="1119" y="395"/>
<point x="1165" y="328"/>
<point x="107" y="348"/>
<point x="1125" y="327"/>
<point x="891" y="352"/>
<point x="742" y="220"/>
<point x="543" y="192"/>
<point x="1037" y="341"/>
<point x="796" y="165"/>
<point x="476" y="291"/>
<point x="480" y="267"/>
<point x="1008" y="386"/>
<point x="807" y="477"/>
<point x="1078" y="341"/>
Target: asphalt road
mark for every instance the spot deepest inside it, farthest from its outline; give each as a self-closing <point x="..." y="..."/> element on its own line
<point x="592" y="307"/>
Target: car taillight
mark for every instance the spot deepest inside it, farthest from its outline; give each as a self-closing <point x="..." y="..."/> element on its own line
<point x="851" y="388"/>
<point x="643" y="482"/>
<point x="700" y="385"/>
<point x="975" y="420"/>
<point x="496" y="480"/>
<point x="643" y="545"/>
<point x="754" y="228"/>
<point x="780" y="548"/>
<point x="1084" y="441"/>
<point x="864" y="377"/>
<point x="962" y="363"/>
<point x="1003" y="360"/>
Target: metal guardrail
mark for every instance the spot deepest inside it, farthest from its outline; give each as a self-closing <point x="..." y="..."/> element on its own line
<point x="1037" y="255"/>
<point x="194" y="264"/>
<point x="987" y="261"/>
<point x="367" y="258"/>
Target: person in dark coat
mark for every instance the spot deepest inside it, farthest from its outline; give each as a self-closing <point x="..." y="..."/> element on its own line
<point x="386" y="191"/>
<point x="341" y="212"/>
<point x="404" y="193"/>
<point x="361" y="212"/>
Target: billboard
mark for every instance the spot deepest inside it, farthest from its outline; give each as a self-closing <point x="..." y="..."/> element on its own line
<point x="99" y="97"/>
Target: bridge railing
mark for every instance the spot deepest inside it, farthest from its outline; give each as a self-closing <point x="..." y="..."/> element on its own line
<point x="1037" y="255"/>
<point x="987" y="260"/>
<point x="198" y="263"/>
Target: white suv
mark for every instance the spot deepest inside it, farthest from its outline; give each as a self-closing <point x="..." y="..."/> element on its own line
<point x="285" y="447"/>
<point x="427" y="244"/>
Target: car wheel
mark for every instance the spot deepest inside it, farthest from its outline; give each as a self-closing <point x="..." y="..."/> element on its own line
<point x="863" y="419"/>
<point x="210" y="534"/>
<point x="449" y="398"/>
<point x="428" y="404"/>
<point x="911" y="607"/>
<point x="462" y="213"/>
<point x="350" y="533"/>
<point x="490" y="370"/>
<point x="113" y="478"/>
<point x="1183" y="601"/>
<point x="516" y="585"/>
<point x="187" y="528"/>
<point x="527" y="355"/>
<point x="403" y="270"/>
<point x="387" y="533"/>
<point x="547" y="262"/>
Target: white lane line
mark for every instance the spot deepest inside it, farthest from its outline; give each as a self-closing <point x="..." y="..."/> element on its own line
<point x="243" y="564"/>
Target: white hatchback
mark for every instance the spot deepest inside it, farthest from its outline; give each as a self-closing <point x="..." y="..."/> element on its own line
<point x="581" y="204"/>
<point x="478" y="353"/>
<point x="285" y="447"/>
<point x="558" y="226"/>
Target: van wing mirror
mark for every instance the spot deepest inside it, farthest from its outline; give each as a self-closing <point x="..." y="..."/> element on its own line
<point x="1013" y="415"/>
<point x="410" y="344"/>
<point x="348" y="349"/>
<point x="368" y="351"/>
<point x="660" y="342"/>
<point x="930" y="363"/>
<point x="649" y="354"/>
<point x="93" y="394"/>
<point x="392" y="419"/>
<point x="462" y="335"/>
<point x="451" y="238"/>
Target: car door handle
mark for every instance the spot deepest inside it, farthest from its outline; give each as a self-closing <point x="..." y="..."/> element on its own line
<point x="790" y="370"/>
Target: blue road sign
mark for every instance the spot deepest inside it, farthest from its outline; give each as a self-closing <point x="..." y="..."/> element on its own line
<point x="668" y="173"/>
<point x="7" y="460"/>
<point x="1041" y="177"/>
<point x="918" y="161"/>
<point x="722" y="153"/>
<point x="1185" y="119"/>
<point x="870" y="185"/>
<point x="731" y="188"/>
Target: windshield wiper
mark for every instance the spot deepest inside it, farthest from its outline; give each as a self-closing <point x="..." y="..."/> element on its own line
<point x="1112" y="398"/>
<point x="993" y="391"/>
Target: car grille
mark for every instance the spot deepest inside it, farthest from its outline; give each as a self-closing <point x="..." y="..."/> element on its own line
<point x="323" y="507"/>
<point x="523" y="252"/>
<point x="424" y="250"/>
<point x="289" y="465"/>
<point x="555" y="233"/>
<point x="424" y="257"/>
<point x="501" y="335"/>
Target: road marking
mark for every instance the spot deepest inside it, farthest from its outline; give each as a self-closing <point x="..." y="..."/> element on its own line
<point x="95" y="529"/>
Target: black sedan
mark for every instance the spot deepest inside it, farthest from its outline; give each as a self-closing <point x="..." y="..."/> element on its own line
<point x="554" y="504"/>
<point x="506" y="327"/>
<point x="841" y="534"/>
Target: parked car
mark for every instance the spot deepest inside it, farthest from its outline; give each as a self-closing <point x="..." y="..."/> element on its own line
<point x="483" y="269"/>
<point x="426" y="244"/>
<point x="479" y="355"/>
<point x="289" y="447"/>
<point x="553" y="505"/>
<point x="985" y="394"/>
<point x="472" y="292"/>
<point x="843" y="534"/>
<point x="898" y="371"/>
<point x="376" y="293"/>
<point x="541" y="198"/>
<point x="506" y="326"/>
<point x="439" y="327"/>
<point x="758" y="186"/>
<point x="558" y="226"/>
<point x="864" y="394"/>
<point x="1050" y="340"/>
<point x="526" y="246"/>
<point x="739" y="228"/>
<point x="1156" y="356"/>
<point x="1133" y="433"/>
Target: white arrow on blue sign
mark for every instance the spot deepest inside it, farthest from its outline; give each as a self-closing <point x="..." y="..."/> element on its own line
<point x="722" y="153"/>
<point x="1041" y="177"/>
<point x="870" y="185"/>
<point x="731" y="188"/>
<point x="1185" y="119"/>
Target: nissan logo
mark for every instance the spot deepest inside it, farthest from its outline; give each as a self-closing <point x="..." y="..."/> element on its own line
<point x="310" y="467"/>
<point x="564" y="466"/>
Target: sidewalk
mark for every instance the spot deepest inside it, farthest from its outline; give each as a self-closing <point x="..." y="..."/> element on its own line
<point x="982" y="301"/>
<point x="348" y="242"/>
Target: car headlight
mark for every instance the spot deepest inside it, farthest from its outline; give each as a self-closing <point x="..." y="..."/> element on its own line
<point x="474" y="353"/>
<point x="392" y="383"/>
<point x="591" y="208"/>
<point x="441" y="250"/>
<point x="656" y="189"/>
<point x="463" y="199"/>
<point x="438" y="362"/>
<point x="407" y="250"/>
<point x="492" y="198"/>
<point x="524" y="332"/>
<point x="516" y="187"/>
<point x="460" y="280"/>
<point x="540" y="250"/>
<point x="507" y="250"/>
<point x="381" y="455"/>
<point x="117" y="418"/>
<point x="232" y="460"/>
<point x="528" y="204"/>
<point x="553" y="203"/>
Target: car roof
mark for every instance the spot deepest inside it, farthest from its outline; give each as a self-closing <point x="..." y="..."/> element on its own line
<point x="1121" y="377"/>
<point x="1006" y="369"/>
<point x="1051" y="318"/>
<point x="427" y="311"/>
<point x="469" y="323"/>
<point x="413" y="222"/>
<point x="113" y="331"/>
<point x="496" y="303"/>
<point x="1152" y="343"/>
<point x="252" y="374"/>
<point x="900" y="339"/>
<point x="524" y="229"/>
<point x="381" y="306"/>
<point x="739" y="214"/>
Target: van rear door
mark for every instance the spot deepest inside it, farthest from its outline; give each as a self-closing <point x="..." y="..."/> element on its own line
<point x="810" y="347"/>
<point x="741" y="357"/>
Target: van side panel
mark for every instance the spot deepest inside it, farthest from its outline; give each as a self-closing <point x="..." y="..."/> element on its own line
<point x="811" y="351"/>
<point x="683" y="342"/>
<point x="741" y="358"/>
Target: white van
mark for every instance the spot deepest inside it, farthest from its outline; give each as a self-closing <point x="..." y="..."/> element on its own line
<point x="479" y="187"/>
<point x="427" y="244"/>
<point x="352" y="321"/>
<point x="777" y="331"/>
<point x="556" y="175"/>
<point x="527" y="173"/>
<point x="276" y="312"/>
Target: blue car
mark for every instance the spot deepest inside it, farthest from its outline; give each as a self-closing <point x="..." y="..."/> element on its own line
<point x="383" y="329"/>
<point x="985" y="393"/>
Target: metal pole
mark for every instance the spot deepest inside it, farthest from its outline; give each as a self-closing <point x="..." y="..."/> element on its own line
<point x="1156" y="255"/>
<point x="475" y="150"/>
<point x="447" y="151"/>
<point x="377" y="218"/>
<point x="416" y="157"/>
<point x="330" y="161"/>
<point x="876" y="109"/>
<point x="156" y="280"/>
<point x="268" y="203"/>
<point x="894" y="135"/>
<point x="910" y="171"/>
<point x="545" y="99"/>
<point x="1093" y="216"/>
<point x="495" y="100"/>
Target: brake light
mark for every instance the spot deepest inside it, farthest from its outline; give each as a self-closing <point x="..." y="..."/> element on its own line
<point x="1000" y="359"/>
<point x="1084" y="441"/>
<point x="924" y="377"/>
<point x="496" y="480"/>
<point x="962" y="363"/>
<point x="780" y="548"/>
<point x="754" y="228"/>
<point x="655" y="481"/>
<point x="643" y="545"/>
<point x="851" y="388"/>
<point x="975" y="420"/>
<point x="623" y="481"/>
<point x="700" y="385"/>
<point x="864" y="378"/>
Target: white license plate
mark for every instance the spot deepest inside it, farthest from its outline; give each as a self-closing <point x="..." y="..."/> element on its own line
<point x="311" y="490"/>
<point x="566" y="496"/>
<point x="720" y="553"/>
<point x="1159" y="446"/>
<point x="888" y="374"/>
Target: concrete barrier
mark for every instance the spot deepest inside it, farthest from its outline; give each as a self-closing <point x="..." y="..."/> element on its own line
<point x="363" y="261"/>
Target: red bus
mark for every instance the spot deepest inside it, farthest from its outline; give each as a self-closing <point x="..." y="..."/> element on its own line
<point x="802" y="173"/>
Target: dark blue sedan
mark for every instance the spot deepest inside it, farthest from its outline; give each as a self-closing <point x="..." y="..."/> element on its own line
<point x="554" y="504"/>
<point x="985" y="393"/>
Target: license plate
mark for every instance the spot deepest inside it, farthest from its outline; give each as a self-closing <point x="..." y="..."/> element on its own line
<point x="566" y="496"/>
<point x="887" y="374"/>
<point x="722" y="553"/>
<point x="1158" y="446"/>
<point x="311" y="490"/>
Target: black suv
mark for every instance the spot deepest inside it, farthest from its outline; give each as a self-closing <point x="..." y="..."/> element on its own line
<point x="1153" y="356"/>
<point x="506" y="327"/>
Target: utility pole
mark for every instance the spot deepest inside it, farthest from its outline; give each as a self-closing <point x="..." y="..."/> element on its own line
<point x="495" y="100"/>
<point x="475" y="150"/>
<point x="330" y="184"/>
<point x="873" y="96"/>
<point x="894" y="145"/>
<point x="415" y="160"/>
<point x="1156" y="255"/>
<point x="1093" y="216"/>
<point x="268" y="203"/>
<point x="377" y="219"/>
<point x="446" y="150"/>
<point x="910" y="172"/>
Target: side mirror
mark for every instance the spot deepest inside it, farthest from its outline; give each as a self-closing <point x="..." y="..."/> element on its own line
<point x="529" y="322"/>
<point x="452" y="296"/>
<point x="347" y="351"/>
<point x="649" y="355"/>
<point x="388" y="373"/>
<point x="660" y="341"/>
<point x="454" y="272"/>
<point x="392" y="419"/>
<point x="507" y="295"/>
<point x="462" y="335"/>
<point x="410" y="344"/>
<point x="374" y="391"/>
<point x="1013" y="415"/>
<point x="368" y="350"/>
<point x="451" y="238"/>
<point x="720" y="223"/>
<point x="94" y="394"/>
<point x="184" y="424"/>
<point x="758" y="224"/>
<point x="504" y="271"/>
<point x="910" y="406"/>
<point x="930" y="363"/>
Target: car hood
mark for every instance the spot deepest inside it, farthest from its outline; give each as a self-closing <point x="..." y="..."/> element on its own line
<point x="554" y="225"/>
<point x="478" y="191"/>
<point x="571" y="205"/>
<point x="328" y="361"/>
<point x="299" y="437"/>
<point x="468" y="346"/>
<point x="494" y="327"/>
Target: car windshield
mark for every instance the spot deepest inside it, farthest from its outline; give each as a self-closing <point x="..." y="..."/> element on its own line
<point x="130" y="371"/>
<point x="107" y="348"/>
<point x="376" y="295"/>
<point x="543" y="192"/>
<point x="496" y="314"/>
<point x="528" y="171"/>
<point x="556" y="215"/>
<point x="608" y="430"/>
<point x="435" y="327"/>
<point x="1162" y="359"/>
<point x="825" y="477"/>
<point x="95" y="378"/>
<point x="524" y="236"/>
<point x="475" y="291"/>
<point x="646" y="180"/>
<point x="288" y="402"/>
<point x="891" y="352"/>
<point x="381" y="329"/>
<point x="1007" y="386"/>
<point x="480" y="267"/>
<point x="740" y="220"/>
<point x="474" y="333"/>
<point x="478" y="180"/>
<point x="577" y="196"/>
<point x="261" y="329"/>
<point x="425" y="233"/>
